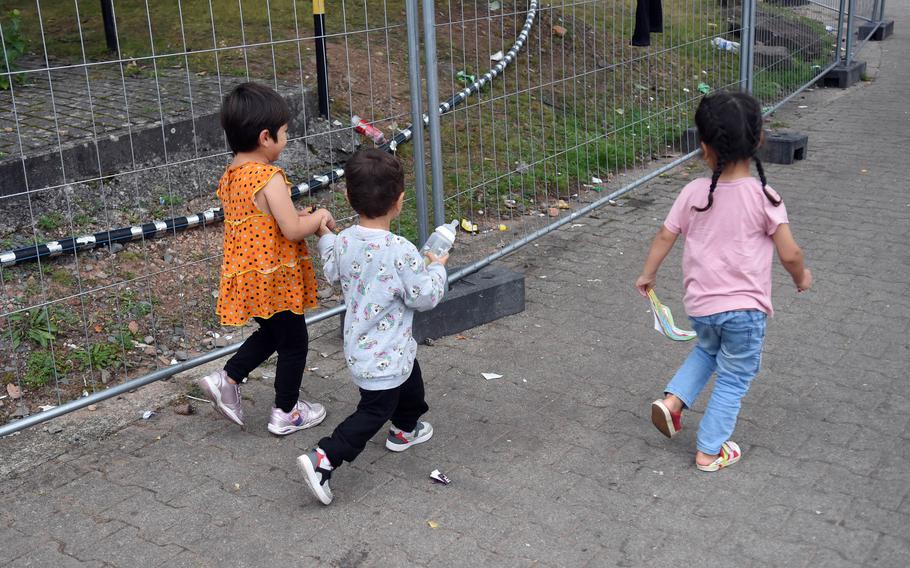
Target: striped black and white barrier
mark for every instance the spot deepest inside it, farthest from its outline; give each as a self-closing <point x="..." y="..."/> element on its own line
<point x="156" y="229"/>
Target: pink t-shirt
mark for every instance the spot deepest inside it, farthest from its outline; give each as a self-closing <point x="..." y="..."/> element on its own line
<point x="729" y="248"/>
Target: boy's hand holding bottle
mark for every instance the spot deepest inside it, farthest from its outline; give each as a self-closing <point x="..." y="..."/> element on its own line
<point x="440" y="259"/>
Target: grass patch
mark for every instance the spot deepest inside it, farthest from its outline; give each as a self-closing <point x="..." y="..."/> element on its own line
<point x="163" y="29"/>
<point x="63" y="277"/>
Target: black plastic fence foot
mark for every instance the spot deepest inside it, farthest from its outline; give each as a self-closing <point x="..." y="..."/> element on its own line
<point x="784" y="147"/>
<point x="844" y="75"/>
<point x="882" y="29"/>
<point x="489" y="294"/>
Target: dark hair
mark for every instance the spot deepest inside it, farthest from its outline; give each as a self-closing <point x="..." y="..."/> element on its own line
<point x="731" y="124"/>
<point x="375" y="179"/>
<point x="248" y="110"/>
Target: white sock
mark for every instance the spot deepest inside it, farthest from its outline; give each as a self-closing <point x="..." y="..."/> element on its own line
<point x="324" y="462"/>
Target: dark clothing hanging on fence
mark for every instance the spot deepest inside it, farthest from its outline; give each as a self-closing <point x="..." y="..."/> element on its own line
<point x="649" y="17"/>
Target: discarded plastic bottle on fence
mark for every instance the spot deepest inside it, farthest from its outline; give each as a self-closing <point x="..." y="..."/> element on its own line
<point x="366" y="129"/>
<point x="441" y="241"/>
<point x="725" y="44"/>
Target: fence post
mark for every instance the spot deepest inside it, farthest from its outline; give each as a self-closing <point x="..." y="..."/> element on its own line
<point x="429" y="46"/>
<point x="851" y="20"/>
<point x="322" y="66"/>
<point x="110" y="28"/>
<point x="881" y="11"/>
<point x="420" y="175"/>
<point x="840" y="30"/>
<point x="747" y="42"/>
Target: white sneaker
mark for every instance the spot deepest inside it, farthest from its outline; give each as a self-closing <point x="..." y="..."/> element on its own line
<point x="399" y="441"/>
<point x="317" y="471"/>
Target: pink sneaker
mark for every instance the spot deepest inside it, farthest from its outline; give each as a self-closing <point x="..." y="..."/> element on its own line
<point x="224" y="395"/>
<point x="304" y="415"/>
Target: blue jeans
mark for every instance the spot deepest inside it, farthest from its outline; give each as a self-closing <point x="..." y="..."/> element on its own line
<point x="729" y="343"/>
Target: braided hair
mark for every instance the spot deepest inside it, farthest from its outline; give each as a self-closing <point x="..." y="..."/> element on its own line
<point x="731" y="124"/>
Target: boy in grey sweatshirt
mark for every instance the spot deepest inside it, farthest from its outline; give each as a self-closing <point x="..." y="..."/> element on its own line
<point x="384" y="279"/>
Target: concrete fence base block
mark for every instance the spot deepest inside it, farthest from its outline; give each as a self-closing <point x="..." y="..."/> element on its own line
<point x="783" y="147"/>
<point x="491" y="293"/>
<point x="882" y="29"/>
<point x="844" y="75"/>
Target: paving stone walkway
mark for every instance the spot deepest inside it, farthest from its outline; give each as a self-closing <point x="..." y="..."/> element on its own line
<point x="556" y="463"/>
<point x="74" y="104"/>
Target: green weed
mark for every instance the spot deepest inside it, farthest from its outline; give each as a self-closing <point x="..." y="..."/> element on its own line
<point x="170" y="200"/>
<point x="99" y="356"/>
<point x="82" y="221"/>
<point x="49" y="221"/>
<point x="14" y="46"/>
<point x="134" y="305"/>
<point x="41" y="368"/>
<point x="33" y="325"/>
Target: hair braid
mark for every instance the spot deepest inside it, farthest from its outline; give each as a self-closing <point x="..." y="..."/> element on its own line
<point x="719" y="169"/>
<point x="719" y="144"/>
<point x="764" y="182"/>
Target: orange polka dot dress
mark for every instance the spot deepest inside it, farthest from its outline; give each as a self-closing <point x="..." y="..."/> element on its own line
<point x="262" y="273"/>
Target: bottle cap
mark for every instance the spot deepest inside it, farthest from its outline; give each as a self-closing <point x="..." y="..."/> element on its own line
<point x="446" y="232"/>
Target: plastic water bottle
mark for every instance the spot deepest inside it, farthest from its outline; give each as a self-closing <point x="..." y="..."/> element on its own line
<point x="441" y="241"/>
<point x="725" y="44"/>
<point x="365" y="128"/>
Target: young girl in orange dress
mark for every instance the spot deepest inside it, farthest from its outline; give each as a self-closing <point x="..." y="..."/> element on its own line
<point x="267" y="273"/>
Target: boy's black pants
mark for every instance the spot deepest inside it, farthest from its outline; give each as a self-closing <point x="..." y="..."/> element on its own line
<point x="403" y="405"/>
<point x="286" y="333"/>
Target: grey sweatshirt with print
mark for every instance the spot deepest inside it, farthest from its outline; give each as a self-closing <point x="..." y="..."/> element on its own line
<point x="384" y="279"/>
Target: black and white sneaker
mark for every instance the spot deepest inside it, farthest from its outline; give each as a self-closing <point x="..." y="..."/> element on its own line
<point x="399" y="440"/>
<point x="317" y="470"/>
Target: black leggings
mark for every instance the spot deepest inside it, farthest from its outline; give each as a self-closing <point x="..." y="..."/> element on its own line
<point x="404" y="405"/>
<point x="286" y="333"/>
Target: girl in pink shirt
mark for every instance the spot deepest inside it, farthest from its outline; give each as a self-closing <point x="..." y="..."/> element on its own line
<point x="732" y="224"/>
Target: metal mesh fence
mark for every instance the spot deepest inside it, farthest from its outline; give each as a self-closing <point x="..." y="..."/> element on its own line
<point x="795" y="42"/>
<point x="110" y="144"/>
<point x="581" y="109"/>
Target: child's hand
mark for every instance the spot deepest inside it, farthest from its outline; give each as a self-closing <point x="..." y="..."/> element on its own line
<point x="440" y="259"/>
<point x="329" y="220"/>
<point x="805" y="282"/>
<point x="323" y="229"/>
<point x="645" y="283"/>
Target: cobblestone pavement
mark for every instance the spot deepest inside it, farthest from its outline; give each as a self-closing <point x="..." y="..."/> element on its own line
<point x="69" y="104"/>
<point x="556" y="463"/>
